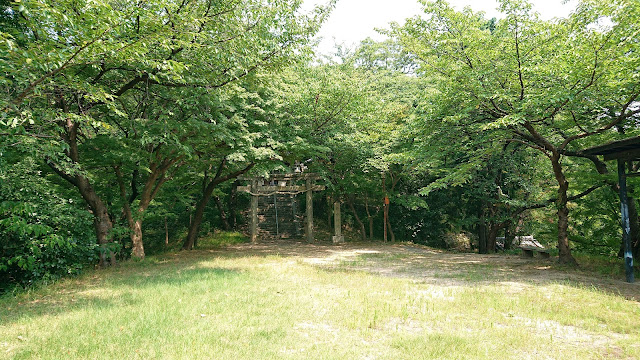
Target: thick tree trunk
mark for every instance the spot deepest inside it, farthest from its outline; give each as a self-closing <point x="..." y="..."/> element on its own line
<point x="564" y="251"/>
<point x="137" y="250"/>
<point x="491" y="237"/>
<point x="103" y="225"/>
<point x="363" y="231"/>
<point x="157" y="177"/>
<point x="101" y="219"/>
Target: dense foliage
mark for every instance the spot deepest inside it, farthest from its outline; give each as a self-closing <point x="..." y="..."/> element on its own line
<point x="125" y="124"/>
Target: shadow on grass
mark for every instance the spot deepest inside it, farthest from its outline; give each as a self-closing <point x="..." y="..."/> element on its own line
<point x="102" y="291"/>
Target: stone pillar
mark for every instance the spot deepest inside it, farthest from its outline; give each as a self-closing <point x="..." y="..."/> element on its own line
<point x="254" y="211"/>
<point x="337" y="221"/>
<point x="309" y="222"/>
<point x="294" y="209"/>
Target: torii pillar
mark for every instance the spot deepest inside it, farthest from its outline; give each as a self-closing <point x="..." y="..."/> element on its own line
<point x="309" y="223"/>
<point x="337" y="223"/>
<point x="258" y="188"/>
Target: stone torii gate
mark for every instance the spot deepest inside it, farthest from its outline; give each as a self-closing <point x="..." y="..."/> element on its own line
<point x="282" y="184"/>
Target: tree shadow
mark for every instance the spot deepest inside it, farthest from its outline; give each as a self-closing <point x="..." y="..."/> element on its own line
<point x="101" y="292"/>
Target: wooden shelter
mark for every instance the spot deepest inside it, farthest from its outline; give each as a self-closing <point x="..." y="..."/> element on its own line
<point x="625" y="152"/>
<point x="274" y="199"/>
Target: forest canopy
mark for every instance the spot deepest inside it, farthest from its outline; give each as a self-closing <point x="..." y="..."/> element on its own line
<point x="126" y="124"/>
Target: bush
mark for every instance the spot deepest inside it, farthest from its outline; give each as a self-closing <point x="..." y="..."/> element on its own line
<point x="458" y="241"/>
<point x="43" y="234"/>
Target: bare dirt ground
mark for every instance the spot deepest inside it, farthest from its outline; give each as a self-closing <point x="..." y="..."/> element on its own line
<point x="436" y="266"/>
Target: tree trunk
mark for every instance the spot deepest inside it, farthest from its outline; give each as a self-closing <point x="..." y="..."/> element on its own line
<point x="101" y="219"/>
<point x="137" y="249"/>
<point x="369" y="217"/>
<point x="136" y="239"/>
<point x="482" y="236"/>
<point x="491" y="237"/>
<point x="389" y="229"/>
<point x="363" y="231"/>
<point x="394" y="182"/>
<point x="564" y="250"/>
<point x="309" y="212"/>
<point x="508" y="236"/>
<point x="519" y="225"/>
<point x="103" y="225"/>
<point x="196" y="216"/>
<point x="196" y="219"/>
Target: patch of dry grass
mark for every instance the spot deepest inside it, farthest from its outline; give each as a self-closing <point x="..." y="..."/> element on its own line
<point x="299" y="301"/>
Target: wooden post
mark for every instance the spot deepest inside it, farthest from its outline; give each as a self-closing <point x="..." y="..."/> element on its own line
<point x="254" y="211"/>
<point x="337" y="221"/>
<point x="309" y="223"/>
<point x="626" y="226"/>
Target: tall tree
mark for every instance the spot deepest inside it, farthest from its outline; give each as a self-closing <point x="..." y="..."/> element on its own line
<point x="549" y="85"/>
<point x="82" y="60"/>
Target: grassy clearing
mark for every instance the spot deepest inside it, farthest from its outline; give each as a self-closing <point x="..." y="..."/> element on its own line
<point x="228" y="304"/>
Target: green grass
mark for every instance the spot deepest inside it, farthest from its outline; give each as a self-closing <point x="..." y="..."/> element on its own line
<point x="221" y="239"/>
<point x="230" y="305"/>
<point x="605" y="265"/>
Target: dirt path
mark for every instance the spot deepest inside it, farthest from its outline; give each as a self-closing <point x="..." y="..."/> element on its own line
<point x="438" y="267"/>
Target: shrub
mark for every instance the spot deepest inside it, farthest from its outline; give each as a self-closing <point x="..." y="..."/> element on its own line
<point x="43" y="234"/>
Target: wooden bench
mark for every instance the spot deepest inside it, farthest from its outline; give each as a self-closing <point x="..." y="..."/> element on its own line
<point x="527" y="251"/>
